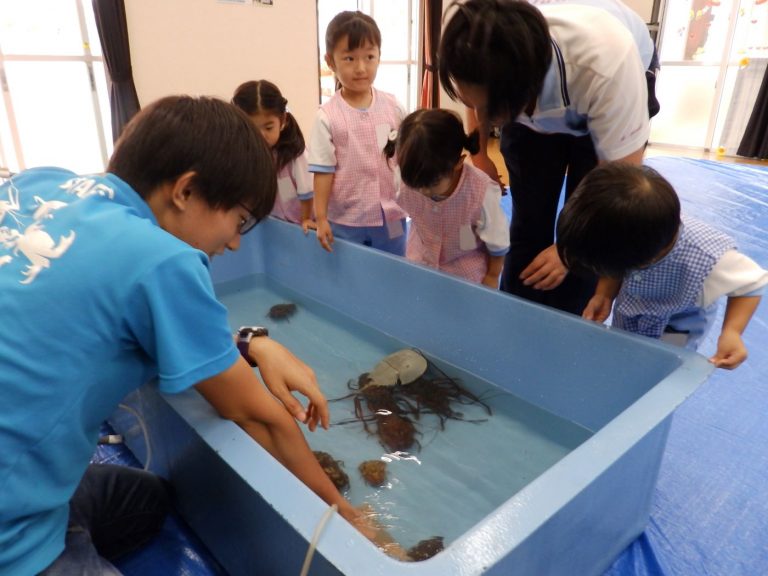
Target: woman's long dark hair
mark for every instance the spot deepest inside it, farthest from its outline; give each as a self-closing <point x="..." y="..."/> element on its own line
<point x="258" y="96"/>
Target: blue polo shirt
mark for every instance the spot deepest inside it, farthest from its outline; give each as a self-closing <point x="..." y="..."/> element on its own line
<point x="95" y="299"/>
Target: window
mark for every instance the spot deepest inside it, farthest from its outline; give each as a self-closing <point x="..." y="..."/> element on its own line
<point x="398" y="21"/>
<point x="54" y="109"/>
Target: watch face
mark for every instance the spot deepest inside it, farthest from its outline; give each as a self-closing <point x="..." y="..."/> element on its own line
<point x="248" y="332"/>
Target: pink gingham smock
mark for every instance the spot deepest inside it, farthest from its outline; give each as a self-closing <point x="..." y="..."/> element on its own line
<point x="457" y="234"/>
<point x="349" y="143"/>
<point x="294" y="184"/>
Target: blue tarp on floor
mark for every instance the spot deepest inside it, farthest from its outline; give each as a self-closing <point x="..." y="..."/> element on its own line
<point x="710" y="512"/>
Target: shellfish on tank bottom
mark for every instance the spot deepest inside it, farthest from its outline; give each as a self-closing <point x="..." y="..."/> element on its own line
<point x="374" y="472"/>
<point x="282" y="311"/>
<point x="332" y="468"/>
<point x="426" y="548"/>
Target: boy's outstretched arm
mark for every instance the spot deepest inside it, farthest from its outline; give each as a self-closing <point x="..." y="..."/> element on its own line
<point x="237" y="395"/>
<point x="730" y="347"/>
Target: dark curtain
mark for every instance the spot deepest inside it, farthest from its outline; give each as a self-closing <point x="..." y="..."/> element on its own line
<point x="113" y="33"/>
<point x="432" y="11"/>
<point x="754" y="143"/>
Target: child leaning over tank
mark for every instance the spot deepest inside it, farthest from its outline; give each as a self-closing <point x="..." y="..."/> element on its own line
<point x="457" y="224"/>
<point x="660" y="272"/>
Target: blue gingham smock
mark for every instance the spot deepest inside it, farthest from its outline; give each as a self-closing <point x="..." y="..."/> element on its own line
<point x="650" y="297"/>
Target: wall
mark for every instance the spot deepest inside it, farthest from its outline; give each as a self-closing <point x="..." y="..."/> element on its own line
<point x="642" y="7"/>
<point x="208" y="47"/>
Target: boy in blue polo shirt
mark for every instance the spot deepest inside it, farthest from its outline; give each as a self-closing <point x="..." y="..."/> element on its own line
<point x="104" y="285"/>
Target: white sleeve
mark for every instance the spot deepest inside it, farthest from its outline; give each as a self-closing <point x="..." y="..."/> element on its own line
<point x="733" y="275"/>
<point x="493" y="229"/>
<point x="618" y="106"/>
<point x="302" y="177"/>
<point x="322" y="152"/>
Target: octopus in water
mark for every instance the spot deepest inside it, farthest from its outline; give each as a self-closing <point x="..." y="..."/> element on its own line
<point x="374" y="472"/>
<point x="332" y="468"/>
<point x="426" y="548"/>
<point x="282" y="311"/>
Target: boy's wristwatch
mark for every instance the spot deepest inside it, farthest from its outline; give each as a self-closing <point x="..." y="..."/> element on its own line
<point x="244" y="335"/>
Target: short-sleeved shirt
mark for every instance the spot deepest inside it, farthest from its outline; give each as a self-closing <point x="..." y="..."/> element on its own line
<point x="456" y="234"/>
<point x="294" y="184"/>
<point x="95" y="299"/>
<point x="596" y="84"/>
<point x="349" y="143"/>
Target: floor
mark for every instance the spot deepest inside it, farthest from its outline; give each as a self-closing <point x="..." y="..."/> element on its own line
<point x="651" y="151"/>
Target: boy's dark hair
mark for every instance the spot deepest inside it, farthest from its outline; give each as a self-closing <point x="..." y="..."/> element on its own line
<point x="258" y="96"/>
<point x="621" y="217"/>
<point x="177" y="134"/>
<point x="358" y="28"/>
<point x="428" y="146"/>
<point x="501" y="45"/>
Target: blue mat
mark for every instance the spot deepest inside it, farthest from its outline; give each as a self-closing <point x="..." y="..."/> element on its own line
<point x="710" y="514"/>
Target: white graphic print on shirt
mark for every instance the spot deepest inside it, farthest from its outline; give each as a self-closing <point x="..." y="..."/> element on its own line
<point x="31" y="240"/>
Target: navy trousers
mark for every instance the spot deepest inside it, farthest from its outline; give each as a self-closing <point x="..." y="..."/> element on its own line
<point x="538" y="164"/>
<point x="115" y="510"/>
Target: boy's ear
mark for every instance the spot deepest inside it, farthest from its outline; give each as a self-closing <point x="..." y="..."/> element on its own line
<point x="182" y="189"/>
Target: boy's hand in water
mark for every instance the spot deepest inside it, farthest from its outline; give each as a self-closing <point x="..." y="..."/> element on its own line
<point x="364" y="518"/>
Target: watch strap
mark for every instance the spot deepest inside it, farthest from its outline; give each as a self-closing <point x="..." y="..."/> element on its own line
<point x="242" y="346"/>
<point x="244" y="335"/>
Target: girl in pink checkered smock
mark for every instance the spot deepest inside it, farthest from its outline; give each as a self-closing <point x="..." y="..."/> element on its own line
<point x="354" y="185"/>
<point x="457" y="223"/>
<point x="267" y="108"/>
